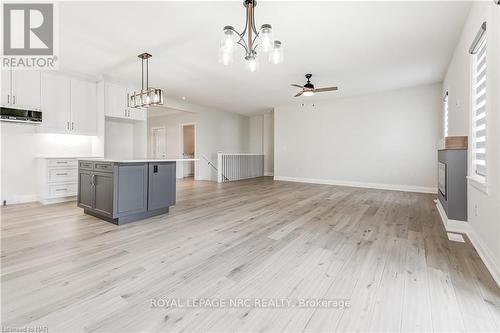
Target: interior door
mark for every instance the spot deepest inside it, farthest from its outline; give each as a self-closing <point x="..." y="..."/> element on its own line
<point x="158" y="142"/>
<point x="83" y="107"/>
<point x="26" y="89"/>
<point x="55" y="102"/>
<point x="6" y="93"/>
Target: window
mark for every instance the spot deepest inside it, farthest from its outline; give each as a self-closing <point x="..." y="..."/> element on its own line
<point x="445" y="101"/>
<point x="478" y="105"/>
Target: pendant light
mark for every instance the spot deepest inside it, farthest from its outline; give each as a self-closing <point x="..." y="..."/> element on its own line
<point x="249" y="39"/>
<point x="147" y="96"/>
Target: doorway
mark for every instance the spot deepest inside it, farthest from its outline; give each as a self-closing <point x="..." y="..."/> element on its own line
<point x="188" y="146"/>
<point x="158" y="143"/>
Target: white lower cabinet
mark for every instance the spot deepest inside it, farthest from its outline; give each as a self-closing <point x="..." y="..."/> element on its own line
<point x="57" y="179"/>
<point x="69" y="105"/>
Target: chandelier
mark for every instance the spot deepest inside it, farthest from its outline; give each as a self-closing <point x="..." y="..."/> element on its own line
<point x="249" y="39"/>
<point x="147" y="96"/>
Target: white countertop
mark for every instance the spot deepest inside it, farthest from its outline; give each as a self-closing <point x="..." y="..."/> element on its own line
<point x="141" y="161"/>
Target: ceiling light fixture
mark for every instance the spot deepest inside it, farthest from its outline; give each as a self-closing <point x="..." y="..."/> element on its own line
<point x="147" y="96"/>
<point x="249" y="39"/>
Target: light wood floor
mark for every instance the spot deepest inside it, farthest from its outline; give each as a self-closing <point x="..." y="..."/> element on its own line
<point x="385" y="251"/>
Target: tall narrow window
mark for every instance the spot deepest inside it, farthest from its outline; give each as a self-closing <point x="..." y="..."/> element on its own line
<point x="445" y="106"/>
<point x="478" y="106"/>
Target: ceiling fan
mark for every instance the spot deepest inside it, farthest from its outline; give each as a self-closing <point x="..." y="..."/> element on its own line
<point x="308" y="88"/>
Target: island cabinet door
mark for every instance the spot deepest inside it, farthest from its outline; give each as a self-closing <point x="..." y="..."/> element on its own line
<point x="131" y="189"/>
<point x="85" y="190"/>
<point x="161" y="185"/>
<point x="103" y="185"/>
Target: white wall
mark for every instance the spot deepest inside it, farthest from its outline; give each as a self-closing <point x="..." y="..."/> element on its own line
<point x="21" y="145"/>
<point x="172" y="124"/>
<point x="383" y="140"/>
<point x="125" y="139"/>
<point x="215" y="131"/>
<point x="483" y="208"/>
<point x="262" y="139"/>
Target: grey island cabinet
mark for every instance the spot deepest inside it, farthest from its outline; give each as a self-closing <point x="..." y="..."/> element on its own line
<point x="126" y="191"/>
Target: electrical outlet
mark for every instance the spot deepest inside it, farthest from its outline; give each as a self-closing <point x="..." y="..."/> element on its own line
<point x="475" y="209"/>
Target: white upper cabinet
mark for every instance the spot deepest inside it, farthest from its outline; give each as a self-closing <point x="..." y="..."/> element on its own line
<point x="21" y="89"/>
<point x="26" y="89"/>
<point x="116" y="104"/>
<point x="83" y="107"/>
<point x="55" y="103"/>
<point x="115" y="97"/>
<point x="69" y="105"/>
<point x="138" y="114"/>
<point x="6" y="91"/>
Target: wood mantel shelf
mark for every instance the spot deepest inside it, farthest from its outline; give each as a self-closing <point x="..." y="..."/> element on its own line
<point x="456" y="142"/>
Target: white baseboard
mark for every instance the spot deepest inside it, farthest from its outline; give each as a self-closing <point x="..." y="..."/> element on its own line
<point x="19" y="199"/>
<point x="268" y="174"/>
<point x="392" y="187"/>
<point x="56" y="200"/>
<point x="485" y="254"/>
<point x="465" y="228"/>
<point x="462" y="227"/>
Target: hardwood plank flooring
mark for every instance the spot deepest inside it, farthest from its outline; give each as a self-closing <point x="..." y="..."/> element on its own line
<point x="385" y="253"/>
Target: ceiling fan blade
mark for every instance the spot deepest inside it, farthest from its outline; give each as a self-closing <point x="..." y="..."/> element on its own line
<point x="326" y="89"/>
<point x="296" y="85"/>
<point x="299" y="94"/>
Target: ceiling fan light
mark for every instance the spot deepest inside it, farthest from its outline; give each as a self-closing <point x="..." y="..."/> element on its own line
<point x="266" y="37"/>
<point x="308" y="93"/>
<point x="276" y="55"/>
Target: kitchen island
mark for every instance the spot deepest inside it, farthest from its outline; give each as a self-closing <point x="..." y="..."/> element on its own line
<point x="122" y="191"/>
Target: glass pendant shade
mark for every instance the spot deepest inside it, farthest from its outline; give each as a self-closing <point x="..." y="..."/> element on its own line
<point x="252" y="63"/>
<point x="225" y="58"/>
<point x="276" y="55"/>
<point x="266" y="37"/>
<point x="228" y="40"/>
<point x="145" y="98"/>
<point x="308" y="93"/>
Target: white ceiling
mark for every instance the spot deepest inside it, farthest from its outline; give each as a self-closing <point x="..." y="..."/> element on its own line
<point x="360" y="46"/>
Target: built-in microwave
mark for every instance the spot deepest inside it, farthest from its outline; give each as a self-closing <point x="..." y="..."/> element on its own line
<point x="20" y="115"/>
<point x="442" y="178"/>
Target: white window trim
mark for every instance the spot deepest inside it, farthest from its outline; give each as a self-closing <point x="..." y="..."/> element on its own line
<point x="478" y="182"/>
<point x="446" y="111"/>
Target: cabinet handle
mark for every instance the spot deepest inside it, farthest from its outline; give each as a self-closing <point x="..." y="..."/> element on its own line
<point x="13" y="99"/>
<point x="8" y="98"/>
<point x="67" y="124"/>
<point x="129" y="113"/>
<point x="61" y="189"/>
<point x="72" y="125"/>
<point x="61" y="174"/>
<point x="92" y="179"/>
